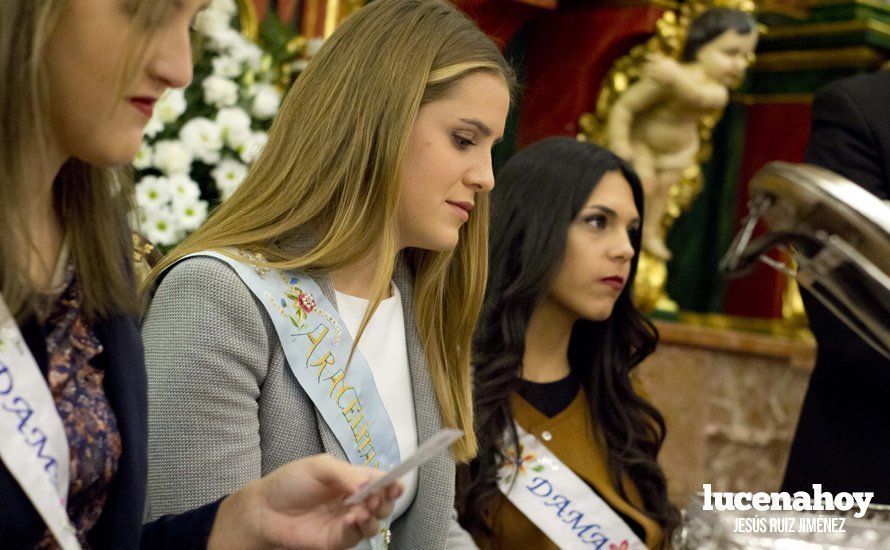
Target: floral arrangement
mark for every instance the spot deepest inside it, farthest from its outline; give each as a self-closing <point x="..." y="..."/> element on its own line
<point x="201" y="140"/>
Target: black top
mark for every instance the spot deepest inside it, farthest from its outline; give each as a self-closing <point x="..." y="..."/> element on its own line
<point x="843" y="435"/>
<point x="120" y="525"/>
<point x="550" y="399"/>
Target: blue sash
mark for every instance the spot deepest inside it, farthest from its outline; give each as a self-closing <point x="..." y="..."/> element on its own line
<point x="317" y="347"/>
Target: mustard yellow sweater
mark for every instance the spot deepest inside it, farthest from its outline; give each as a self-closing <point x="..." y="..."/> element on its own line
<point x="572" y="442"/>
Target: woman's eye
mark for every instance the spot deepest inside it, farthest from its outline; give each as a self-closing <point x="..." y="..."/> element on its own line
<point x="461" y="142"/>
<point x="596" y="222"/>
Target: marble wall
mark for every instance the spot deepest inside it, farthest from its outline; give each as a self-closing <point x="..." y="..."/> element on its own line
<point x="731" y="402"/>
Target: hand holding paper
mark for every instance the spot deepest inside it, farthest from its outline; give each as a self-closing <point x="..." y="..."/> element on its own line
<point x="428" y="450"/>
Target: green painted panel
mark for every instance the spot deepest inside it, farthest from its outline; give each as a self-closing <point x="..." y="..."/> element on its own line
<point x="846" y="12"/>
<point x="847" y="39"/>
<point x="792" y="82"/>
<point x="700" y="237"/>
<point x="515" y="55"/>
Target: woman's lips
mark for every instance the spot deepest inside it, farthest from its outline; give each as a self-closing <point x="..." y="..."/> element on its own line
<point x="615" y="282"/>
<point x="145" y="105"/>
<point x="462" y="209"/>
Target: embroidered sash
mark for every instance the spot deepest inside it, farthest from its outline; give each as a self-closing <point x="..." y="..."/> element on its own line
<point x="317" y="347"/>
<point x="33" y="444"/>
<point x="559" y="502"/>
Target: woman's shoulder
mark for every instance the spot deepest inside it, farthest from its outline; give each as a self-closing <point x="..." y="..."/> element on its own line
<point x="199" y="267"/>
<point x="203" y="288"/>
<point x="200" y="276"/>
<point x="202" y="313"/>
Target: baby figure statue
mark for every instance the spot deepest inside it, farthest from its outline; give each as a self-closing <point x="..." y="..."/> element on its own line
<point x="654" y="124"/>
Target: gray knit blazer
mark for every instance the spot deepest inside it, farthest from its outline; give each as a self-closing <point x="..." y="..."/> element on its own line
<point x="224" y="407"/>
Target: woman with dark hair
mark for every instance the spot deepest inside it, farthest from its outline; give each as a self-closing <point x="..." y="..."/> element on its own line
<point x="556" y="343"/>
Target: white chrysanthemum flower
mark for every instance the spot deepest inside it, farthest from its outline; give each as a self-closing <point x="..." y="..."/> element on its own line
<point x="154" y="125"/>
<point x="234" y="124"/>
<point x="248" y="53"/>
<point x="253" y="147"/>
<point x="171" y="105"/>
<point x="161" y="226"/>
<point x="224" y="40"/>
<point x="266" y="101"/>
<point x="172" y="157"/>
<point x="313" y="45"/>
<point x="227" y="7"/>
<point x="212" y="22"/>
<point x="227" y="66"/>
<point x="152" y="193"/>
<point x="190" y="214"/>
<point x="143" y="157"/>
<point x="183" y="189"/>
<point x="201" y="136"/>
<point x="228" y="175"/>
<point x="220" y="91"/>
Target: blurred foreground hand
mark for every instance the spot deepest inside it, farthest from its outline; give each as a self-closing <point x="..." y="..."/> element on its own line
<point x="300" y="505"/>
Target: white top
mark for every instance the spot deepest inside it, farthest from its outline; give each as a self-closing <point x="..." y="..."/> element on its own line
<point x="384" y="348"/>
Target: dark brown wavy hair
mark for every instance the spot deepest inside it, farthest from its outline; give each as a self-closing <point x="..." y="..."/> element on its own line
<point x="539" y="192"/>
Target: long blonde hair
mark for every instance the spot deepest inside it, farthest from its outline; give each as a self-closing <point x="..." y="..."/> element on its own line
<point x="332" y="164"/>
<point x="91" y="202"/>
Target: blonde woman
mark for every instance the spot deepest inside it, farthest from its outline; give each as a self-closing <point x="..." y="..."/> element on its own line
<point x="365" y="219"/>
<point x="80" y="78"/>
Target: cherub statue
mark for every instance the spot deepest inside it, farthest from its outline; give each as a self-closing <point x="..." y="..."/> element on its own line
<point x="654" y="124"/>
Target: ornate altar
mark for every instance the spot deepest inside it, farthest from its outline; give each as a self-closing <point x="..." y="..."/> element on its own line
<point x="669" y="40"/>
<point x="565" y="52"/>
<point x="314" y="19"/>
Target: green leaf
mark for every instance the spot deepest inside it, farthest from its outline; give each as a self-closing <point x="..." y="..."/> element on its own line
<point x="274" y="34"/>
